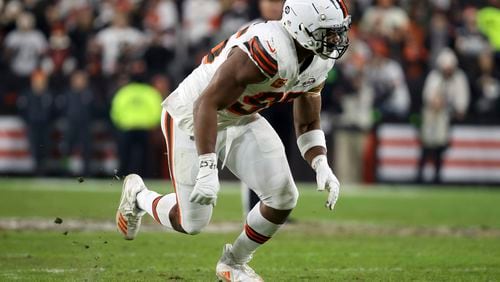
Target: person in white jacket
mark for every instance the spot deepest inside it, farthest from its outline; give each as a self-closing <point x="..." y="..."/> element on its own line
<point x="445" y="98"/>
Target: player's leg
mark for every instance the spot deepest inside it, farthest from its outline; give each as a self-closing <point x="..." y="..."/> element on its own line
<point x="175" y="210"/>
<point x="258" y="158"/>
<point x="260" y="161"/>
<point x="438" y="163"/>
<point x="424" y="155"/>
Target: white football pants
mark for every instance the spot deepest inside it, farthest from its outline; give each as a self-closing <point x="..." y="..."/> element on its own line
<point x="252" y="152"/>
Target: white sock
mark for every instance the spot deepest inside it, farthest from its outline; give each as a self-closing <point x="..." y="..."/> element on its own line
<point x="157" y="206"/>
<point x="256" y="232"/>
<point x="145" y="200"/>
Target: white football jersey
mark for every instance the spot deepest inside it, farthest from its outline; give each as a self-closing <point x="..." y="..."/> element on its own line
<point x="273" y="51"/>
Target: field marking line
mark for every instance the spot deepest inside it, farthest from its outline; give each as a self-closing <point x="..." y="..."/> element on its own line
<point x="316" y="228"/>
<point x="228" y="188"/>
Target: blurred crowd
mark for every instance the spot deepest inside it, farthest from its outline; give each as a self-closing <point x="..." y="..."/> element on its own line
<point x="422" y="62"/>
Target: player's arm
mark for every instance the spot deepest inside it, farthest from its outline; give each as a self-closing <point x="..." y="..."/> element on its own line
<point x="226" y="86"/>
<point x="306" y="113"/>
<point x="312" y="143"/>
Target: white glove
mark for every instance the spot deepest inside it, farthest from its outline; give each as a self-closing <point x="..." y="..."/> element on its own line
<point x="207" y="182"/>
<point x="326" y="180"/>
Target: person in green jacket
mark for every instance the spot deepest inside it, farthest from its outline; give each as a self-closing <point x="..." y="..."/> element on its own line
<point x="135" y="111"/>
<point x="488" y="21"/>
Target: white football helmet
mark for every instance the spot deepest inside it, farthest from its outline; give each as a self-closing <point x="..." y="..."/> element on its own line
<point x="318" y="25"/>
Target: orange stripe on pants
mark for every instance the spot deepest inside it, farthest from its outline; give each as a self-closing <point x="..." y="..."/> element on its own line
<point x="169" y="138"/>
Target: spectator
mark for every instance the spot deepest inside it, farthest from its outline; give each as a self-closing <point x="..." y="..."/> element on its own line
<point x="59" y="62"/>
<point x="162" y="84"/>
<point x="167" y="14"/>
<point x="9" y="15"/>
<point x="487" y="91"/>
<point x="36" y="105"/>
<point x="162" y="16"/>
<point x="270" y="9"/>
<point x="157" y="56"/>
<point x="392" y="98"/>
<point x="59" y="59"/>
<point x="99" y="83"/>
<point x="78" y="113"/>
<point x="388" y="21"/>
<point x="439" y="35"/>
<point x="233" y="19"/>
<point x="415" y="68"/>
<point x="354" y="123"/>
<point x="80" y="35"/>
<point x="489" y="24"/>
<point x="415" y="55"/>
<point x="470" y="43"/>
<point x="115" y="39"/>
<point x="135" y="110"/>
<point x="201" y="19"/>
<point x="107" y="11"/>
<point x="24" y="49"/>
<point x="446" y="98"/>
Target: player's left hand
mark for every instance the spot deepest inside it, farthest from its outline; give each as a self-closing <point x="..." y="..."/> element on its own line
<point x="326" y="180"/>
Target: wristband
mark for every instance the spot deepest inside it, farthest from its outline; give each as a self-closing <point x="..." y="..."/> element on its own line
<point x="311" y="139"/>
<point x="208" y="161"/>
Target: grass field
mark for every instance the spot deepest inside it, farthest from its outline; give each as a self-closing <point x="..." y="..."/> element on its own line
<point x="376" y="233"/>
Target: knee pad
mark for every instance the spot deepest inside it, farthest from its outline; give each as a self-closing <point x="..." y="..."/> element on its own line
<point x="282" y="198"/>
<point x="194" y="222"/>
<point x="193" y="228"/>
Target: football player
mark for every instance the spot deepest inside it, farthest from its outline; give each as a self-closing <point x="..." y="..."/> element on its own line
<point x="213" y="117"/>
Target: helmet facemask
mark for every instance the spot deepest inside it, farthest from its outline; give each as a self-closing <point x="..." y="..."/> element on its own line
<point x="330" y="43"/>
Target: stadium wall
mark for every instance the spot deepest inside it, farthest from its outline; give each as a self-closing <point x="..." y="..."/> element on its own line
<point x="473" y="155"/>
<point x="15" y="156"/>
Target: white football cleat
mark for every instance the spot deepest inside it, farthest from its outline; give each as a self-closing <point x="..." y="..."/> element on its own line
<point x="128" y="216"/>
<point x="229" y="271"/>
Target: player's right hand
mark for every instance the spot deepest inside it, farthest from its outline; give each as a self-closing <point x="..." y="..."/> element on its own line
<point x="207" y="182"/>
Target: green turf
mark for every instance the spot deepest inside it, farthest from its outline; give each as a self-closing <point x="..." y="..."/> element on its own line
<point x="287" y="257"/>
<point x="388" y="205"/>
<point x="303" y="255"/>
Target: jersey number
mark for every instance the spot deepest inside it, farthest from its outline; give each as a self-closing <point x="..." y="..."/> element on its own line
<point x="260" y="101"/>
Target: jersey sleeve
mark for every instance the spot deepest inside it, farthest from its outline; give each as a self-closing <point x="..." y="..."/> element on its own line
<point x="316" y="90"/>
<point x="261" y="53"/>
<point x="317" y="87"/>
